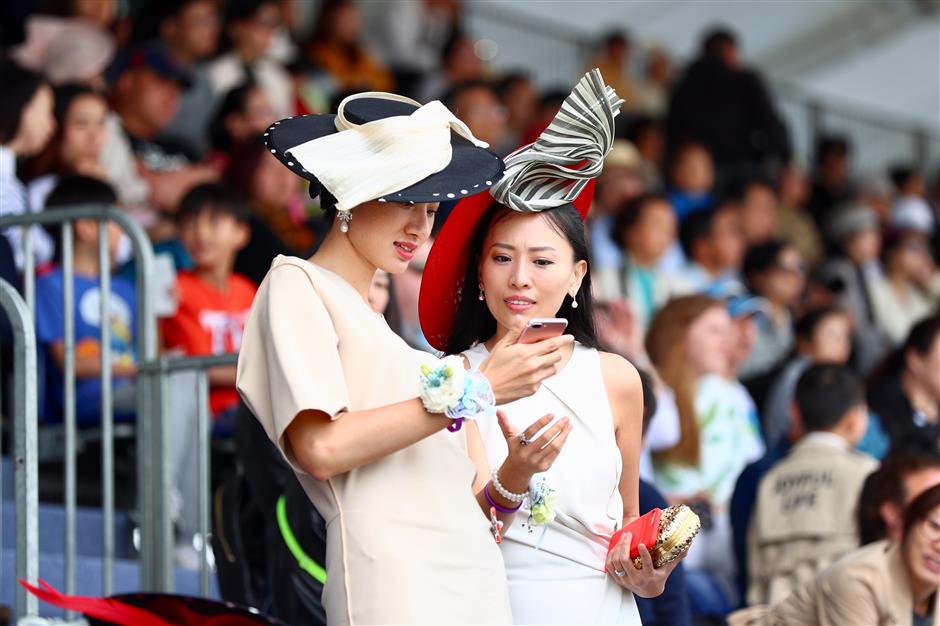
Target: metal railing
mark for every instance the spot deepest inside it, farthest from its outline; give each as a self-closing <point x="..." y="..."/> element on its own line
<point x="156" y="537"/>
<point x="25" y="400"/>
<point x="162" y="369"/>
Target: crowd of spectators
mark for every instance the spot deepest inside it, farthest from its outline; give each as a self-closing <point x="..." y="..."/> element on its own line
<point x="786" y="312"/>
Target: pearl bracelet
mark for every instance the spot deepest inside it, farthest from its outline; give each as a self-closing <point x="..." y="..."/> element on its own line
<point x="505" y="493"/>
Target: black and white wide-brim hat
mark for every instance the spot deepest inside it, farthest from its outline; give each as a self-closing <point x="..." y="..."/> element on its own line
<point x="381" y="146"/>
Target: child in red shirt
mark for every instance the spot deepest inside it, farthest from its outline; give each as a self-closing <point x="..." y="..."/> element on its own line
<point x="213" y="299"/>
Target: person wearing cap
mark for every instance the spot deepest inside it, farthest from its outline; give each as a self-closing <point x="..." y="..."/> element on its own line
<point x="372" y="428"/>
<point x="855" y="230"/>
<point x="510" y="259"/>
<point x="147" y="84"/>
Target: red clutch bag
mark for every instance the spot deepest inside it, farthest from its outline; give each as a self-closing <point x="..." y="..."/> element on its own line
<point x="645" y="530"/>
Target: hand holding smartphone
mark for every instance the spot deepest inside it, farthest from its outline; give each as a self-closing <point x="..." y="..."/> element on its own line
<point x="542" y="328"/>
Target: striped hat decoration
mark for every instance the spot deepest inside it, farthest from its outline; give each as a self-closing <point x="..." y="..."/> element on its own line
<point x="554" y="169"/>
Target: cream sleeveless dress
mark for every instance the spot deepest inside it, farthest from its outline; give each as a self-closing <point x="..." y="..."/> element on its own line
<point x="564" y="581"/>
<point x="407" y="542"/>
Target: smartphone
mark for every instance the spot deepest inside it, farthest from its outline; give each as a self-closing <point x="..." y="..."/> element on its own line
<point x="541" y="328"/>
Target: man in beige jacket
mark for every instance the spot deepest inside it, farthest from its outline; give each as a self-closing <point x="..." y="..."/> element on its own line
<point x="804" y="518"/>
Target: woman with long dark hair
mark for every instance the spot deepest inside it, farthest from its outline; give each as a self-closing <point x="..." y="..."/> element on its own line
<point x="372" y="428"/>
<point x="26" y="125"/>
<point x="905" y="391"/>
<point x="494" y="267"/>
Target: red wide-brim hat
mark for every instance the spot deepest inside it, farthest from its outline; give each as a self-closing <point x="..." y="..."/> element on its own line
<point x="442" y="284"/>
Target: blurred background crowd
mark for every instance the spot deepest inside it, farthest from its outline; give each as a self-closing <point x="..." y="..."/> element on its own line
<point x="727" y="264"/>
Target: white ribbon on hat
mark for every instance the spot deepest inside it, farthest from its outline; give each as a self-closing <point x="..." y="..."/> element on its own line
<point x="363" y="162"/>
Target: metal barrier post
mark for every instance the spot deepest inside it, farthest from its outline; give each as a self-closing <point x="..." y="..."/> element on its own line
<point x="25" y="399"/>
<point x="71" y="475"/>
<point x="107" y="412"/>
<point x="203" y="458"/>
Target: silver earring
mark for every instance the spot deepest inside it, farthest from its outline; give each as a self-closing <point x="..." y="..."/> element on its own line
<point x="480" y="297"/>
<point x="574" y="303"/>
<point x="344" y="218"/>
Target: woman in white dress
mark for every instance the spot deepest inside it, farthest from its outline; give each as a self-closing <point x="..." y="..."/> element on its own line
<point x="496" y="265"/>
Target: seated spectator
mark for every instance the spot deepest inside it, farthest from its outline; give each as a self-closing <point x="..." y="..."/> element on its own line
<point x="250" y="26"/>
<point x="776" y="272"/>
<point x="757" y="204"/>
<point x="145" y="98"/>
<point x="907" y="181"/>
<point x="189" y="30"/>
<point x="714" y="247"/>
<point x="647" y="135"/>
<point x="245" y="112"/>
<point x="671" y="608"/>
<point x="805" y="515"/>
<point x="644" y="228"/>
<point x="654" y="90"/>
<point x="619" y="182"/>
<point x="50" y="325"/>
<point x="823" y="335"/>
<point x="337" y="46"/>
<point x="794" y="224"/>
<point x="849" y="275"/>
<point x="409" y="37"/>
<point x="691" y="178"/>
<point x="613" y="60"/>
<point x="213" y="299"/>
<point x="26" y="125"/>
<point x="459" y="63"/>
<point x="689" y="343"/>
<point x="909" y="289"/>
<point x="887" y="582"/>
<point x="905" y="391"/>
<point x="75" y="149"/>
<point x="519" y="97"/>
<point x="831" y="186"/>
<point x="905" y="473"/>
<point x="278" y="220"/>
<point x="477" y="104"/>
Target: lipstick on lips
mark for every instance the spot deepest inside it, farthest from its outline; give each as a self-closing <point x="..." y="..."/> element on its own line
<point x="405" y="250"/>
<point x="518" y="304"/>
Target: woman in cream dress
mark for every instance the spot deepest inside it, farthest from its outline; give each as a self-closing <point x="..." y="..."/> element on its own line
<point x="337" y="390"/>
<point x="523" y="257"/>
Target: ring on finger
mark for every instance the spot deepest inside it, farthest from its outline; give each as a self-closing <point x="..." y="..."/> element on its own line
<point x="523" y="440"/>
<point x="619" y="572"/>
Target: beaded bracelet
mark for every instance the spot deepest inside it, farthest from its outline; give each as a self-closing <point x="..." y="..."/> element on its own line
<point x="492" y="503"/>
<point x="505" y="493"/>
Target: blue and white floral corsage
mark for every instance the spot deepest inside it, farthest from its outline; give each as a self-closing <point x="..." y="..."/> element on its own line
<point x="543" y="502"/>
<point x="456" y="392"/>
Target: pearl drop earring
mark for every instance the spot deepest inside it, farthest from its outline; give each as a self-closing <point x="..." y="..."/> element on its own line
<point x="480" y="297"/>
<point x="574" y="303"/>
<point x="344" y="218"/>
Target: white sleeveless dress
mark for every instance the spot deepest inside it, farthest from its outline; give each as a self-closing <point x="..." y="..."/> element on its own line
<point x="564" y="580"/>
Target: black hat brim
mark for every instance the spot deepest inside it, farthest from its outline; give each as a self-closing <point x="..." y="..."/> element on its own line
<point x="470" y="171"/>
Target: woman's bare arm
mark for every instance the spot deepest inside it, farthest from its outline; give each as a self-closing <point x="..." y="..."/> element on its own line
<point x="625" y="393"/>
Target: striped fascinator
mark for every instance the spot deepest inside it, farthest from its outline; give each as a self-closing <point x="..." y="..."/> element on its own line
<point x="567" y="155"/>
